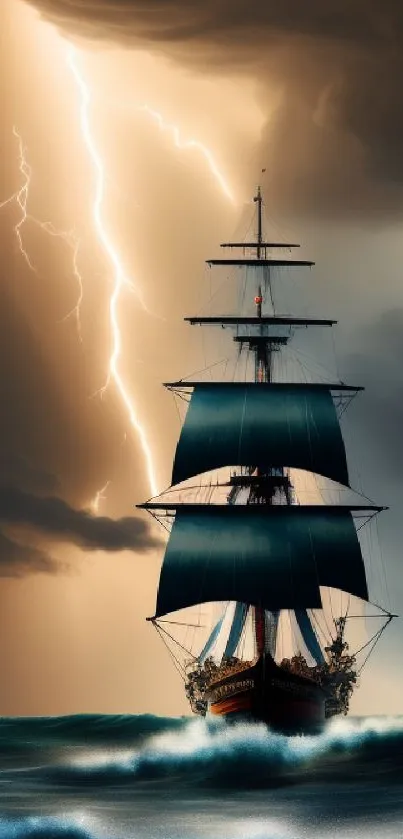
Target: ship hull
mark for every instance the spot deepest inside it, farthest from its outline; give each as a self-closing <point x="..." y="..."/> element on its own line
<point x="266" y="693"/>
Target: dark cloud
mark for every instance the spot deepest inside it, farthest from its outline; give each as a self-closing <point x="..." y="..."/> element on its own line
<point x="57" y="520"/>
<point x="18" y="560"/>
<point x="180" y="21"/>
<point x="334" y="70"/>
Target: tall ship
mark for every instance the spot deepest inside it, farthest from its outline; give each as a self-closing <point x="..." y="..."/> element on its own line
<point x="263" y="599"/>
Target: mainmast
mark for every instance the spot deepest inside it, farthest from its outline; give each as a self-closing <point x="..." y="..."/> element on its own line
<point x="263" y="357"/>
<point x="258" y="199"/>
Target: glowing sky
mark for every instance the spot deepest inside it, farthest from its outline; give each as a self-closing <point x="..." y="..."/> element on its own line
<point x="147" y="166"/>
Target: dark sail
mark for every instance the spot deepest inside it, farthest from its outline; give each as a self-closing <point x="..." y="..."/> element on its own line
<point x="273" y="557"/>
<point x="237" y="424"/>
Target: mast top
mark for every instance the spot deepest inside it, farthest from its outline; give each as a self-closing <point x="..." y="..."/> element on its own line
<point x="260" y="257"/>
<point x="258" y="200"/>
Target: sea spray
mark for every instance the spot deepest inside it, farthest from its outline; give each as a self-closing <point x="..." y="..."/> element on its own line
<point x="211" y="753"/>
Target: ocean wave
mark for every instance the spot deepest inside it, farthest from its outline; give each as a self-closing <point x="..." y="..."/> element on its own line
<point x="42" y="828"/>
<point x="212" y="753"/>
<point x="91" y="729"/>
<point x="60" y="828"/>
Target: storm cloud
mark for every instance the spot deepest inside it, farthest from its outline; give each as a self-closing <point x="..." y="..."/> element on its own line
<point x="329" y="78"/>
<point x="19" y="560"/>
<point x="57" y="520"/>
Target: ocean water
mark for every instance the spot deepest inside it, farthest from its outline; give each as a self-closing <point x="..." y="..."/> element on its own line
<point x="147" y="777"/>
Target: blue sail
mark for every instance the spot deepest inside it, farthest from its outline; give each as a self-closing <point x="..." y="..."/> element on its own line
<point x="276" y="424"/>
<point x="211" y="639"/>
<point x="236" y="629"/>
<point x="273" y="557"/>
<point x="309" y="635"/>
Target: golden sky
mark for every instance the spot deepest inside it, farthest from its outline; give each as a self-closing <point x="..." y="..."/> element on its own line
<point x="75" y="592"/>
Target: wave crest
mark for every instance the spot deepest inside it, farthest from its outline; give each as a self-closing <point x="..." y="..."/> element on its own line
<point x="213" y="753"/>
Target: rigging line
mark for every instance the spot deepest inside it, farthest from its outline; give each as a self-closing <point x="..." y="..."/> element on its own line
<point x="367" y="498"/>
<point x="371" y="555"/>
<point x="213" y="294"/>
<point x="277" y="227"/>
<point x="345" y="403"/>
<point x="180" y="623"/>
<point x="367" y="518"/>
<point x="304" y="365"/>
<point x="348" y="606"/>
<point x="178" y="666"/>
<point x="205" y="368"/>
<point x="382" y="557"/>
<point x="176" y="642"/>
<point x="303" y="370"/>
<point x="325" y="619"/>
<point x="268" y="284"/>
<point x="246" y="365"/>
<point x="311" y="359"/>
<point x="184" y="395"/>
<point x="175" y="396"/>
<point x="159" y="520"/>
<point x="243" y="292"/>
<point x="378" y="632"/>
<point x="188" y="641"/>
<point x="336" y="364"/>
<point x="203" y="345"/>
<point x="171" y="489"/>
<point x="365" y="617"/>
<point x="309" y="612"/>
<point x="320" y="628"/>
<point x="331" y="604"/>
<point x="376" y="639"/>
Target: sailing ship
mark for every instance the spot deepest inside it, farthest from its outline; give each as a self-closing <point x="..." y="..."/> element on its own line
<point x="258" y="564"/>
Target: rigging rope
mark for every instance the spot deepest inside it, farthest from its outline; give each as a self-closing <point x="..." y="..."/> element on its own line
<point x="161" y="628"/>
<point x="177" y="664"/>
<point x="375" y="638"/>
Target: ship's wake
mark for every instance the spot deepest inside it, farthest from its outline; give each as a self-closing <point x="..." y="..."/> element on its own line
<point x="200" y="754"/>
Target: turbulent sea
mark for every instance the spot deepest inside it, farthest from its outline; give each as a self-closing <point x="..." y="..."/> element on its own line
<point x="147" y="777"/>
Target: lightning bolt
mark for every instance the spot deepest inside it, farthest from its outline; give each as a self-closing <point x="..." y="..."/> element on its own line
<point x="98" y="497"/>
<point x="189" y="144"/>
<point x="121" y="281"/>
<point x="20" y="197"/>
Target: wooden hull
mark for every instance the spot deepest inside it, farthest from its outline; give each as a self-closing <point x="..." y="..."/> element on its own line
<point x="267" y="693"/>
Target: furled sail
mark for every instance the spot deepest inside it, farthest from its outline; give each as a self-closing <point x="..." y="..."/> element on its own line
<point x="238" y="621"/>
<point x="309" y="636"/>
<point x="211" y="639"/>
<point x="274" y="557"/>
<point x="241" y="424"/>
